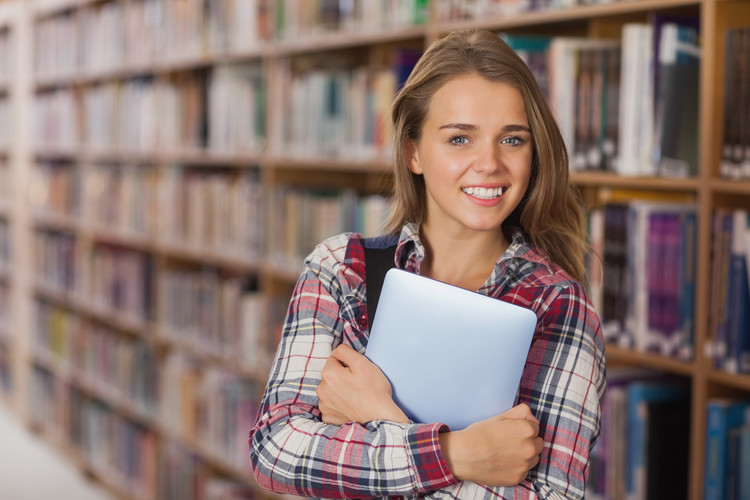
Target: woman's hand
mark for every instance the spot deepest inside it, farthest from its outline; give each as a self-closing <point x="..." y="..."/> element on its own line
<point x="498" y="451"/>
<point x="353" y="389"/>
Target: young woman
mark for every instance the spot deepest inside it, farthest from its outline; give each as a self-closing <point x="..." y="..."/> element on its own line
<point x="481" y="201"/>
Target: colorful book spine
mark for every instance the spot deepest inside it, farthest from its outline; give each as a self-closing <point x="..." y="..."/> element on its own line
<point x="640" y="395"/>
<point x="722" y="415"/>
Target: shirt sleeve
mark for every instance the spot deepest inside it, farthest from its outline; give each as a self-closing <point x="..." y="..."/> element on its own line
<point x="291" y="449"/>
<point x="564" y="383"/>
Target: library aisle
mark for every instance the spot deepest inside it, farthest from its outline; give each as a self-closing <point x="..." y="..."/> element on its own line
<point x="27" y="459"/>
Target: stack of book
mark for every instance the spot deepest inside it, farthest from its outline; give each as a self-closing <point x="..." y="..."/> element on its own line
<point x="303" y="19"/>
<point x="728" y="342"/>
<point x="645" y="438"/>
<point x="645" y="293"/>
<point x="727" y="449"/>
<point x="307" y="217"/>
<point x="627" y="106"/>
<point x="735" y="157"/>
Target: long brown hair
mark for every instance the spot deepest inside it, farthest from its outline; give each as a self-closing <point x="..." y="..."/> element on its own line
<point x="551" y="212"/>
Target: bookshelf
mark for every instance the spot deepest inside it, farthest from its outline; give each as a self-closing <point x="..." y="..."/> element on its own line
<point x="160" y="147"/>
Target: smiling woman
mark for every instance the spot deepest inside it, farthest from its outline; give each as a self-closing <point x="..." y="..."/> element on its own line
<point x="476" y="168"/>
<point x="481" y="201"/>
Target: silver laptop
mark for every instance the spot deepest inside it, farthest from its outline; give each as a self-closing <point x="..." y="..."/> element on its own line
<point x="451" y="355"/>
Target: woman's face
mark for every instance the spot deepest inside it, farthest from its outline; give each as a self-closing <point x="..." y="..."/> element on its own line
<point x="475" y="153"/>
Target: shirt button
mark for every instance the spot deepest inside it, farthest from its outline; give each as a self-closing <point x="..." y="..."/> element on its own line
<point x="362" y="322"/>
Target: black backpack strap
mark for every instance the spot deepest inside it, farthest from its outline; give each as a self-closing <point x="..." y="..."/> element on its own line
<point x="380" y="253"/>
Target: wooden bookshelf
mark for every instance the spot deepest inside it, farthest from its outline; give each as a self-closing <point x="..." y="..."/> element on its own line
<point x="185" y="164"/>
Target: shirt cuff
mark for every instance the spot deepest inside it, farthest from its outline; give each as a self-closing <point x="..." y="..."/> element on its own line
<point x="423" y="444"/>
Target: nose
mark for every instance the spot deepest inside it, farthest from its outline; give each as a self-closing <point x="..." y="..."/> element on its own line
<point x="488" y="158"/>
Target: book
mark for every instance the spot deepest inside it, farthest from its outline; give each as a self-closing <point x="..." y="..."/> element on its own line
<point x="675" y="152"/>
<point x="534" y="50"/>
<point x="738" y="297"/>
<point x="667" y="449"/>
<point x="743" y="462"/>
<point x="722" y="415"/>
<point x="636" y="101"/>
<point x="574" y="69"/>
<point x="644" y="400"/>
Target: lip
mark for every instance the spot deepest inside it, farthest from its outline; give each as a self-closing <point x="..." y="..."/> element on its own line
<point x="482" y="202"/>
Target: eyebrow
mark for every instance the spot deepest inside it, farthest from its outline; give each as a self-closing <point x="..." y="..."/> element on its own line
<point x="470" y="127"/>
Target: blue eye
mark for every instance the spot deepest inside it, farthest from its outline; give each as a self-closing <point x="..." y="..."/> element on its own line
<point x="458" y="139"/>
<point x="513" y="141"/>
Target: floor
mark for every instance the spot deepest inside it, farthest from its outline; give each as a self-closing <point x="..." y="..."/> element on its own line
<point x="32" y="470"/>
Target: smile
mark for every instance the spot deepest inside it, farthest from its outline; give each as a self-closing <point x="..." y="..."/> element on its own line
<point x="483" y="193"/>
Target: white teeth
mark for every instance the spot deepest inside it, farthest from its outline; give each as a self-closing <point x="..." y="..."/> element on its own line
<point x="483" y="193"/>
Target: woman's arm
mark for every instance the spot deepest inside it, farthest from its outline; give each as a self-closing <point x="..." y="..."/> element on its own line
<point x="498" y="451"/>
<point x="291" y="449"/>
<point x="563" y="383"/>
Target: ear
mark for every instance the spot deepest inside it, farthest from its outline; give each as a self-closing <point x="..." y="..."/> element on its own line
<point x="412" y="157"/>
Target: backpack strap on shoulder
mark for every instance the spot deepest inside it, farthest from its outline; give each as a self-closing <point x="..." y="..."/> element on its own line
<point x="379" y="258"/>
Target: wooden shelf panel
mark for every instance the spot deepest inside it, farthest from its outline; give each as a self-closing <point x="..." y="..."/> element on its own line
<point x="734" y="380"/>
<point x="164" y="155"/>
<point x="214" y="459"/>
<point x="116" y="486"/>
<point x="107" y="395"/>
<point x="649" y="183"/>
<point x="84" y="307"/>
<point x="559" y="16"/>
<point x="190" y="347"/>
<point x="6" y="210"/>
<point x="59" y="222"/>
<point x="618" y="354"/>
<point x="157" y="68"/>
<point x="233" y="263"/>
<point x="344" y="40"/>
<point x="725" y="186"/>
<point x="5" y="274"/>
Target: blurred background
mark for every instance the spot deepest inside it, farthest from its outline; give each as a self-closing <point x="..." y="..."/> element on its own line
<point x="166" y="166"/>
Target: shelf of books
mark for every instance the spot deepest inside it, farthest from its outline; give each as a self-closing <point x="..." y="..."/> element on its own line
<point x="8" y="348"/>
<point x="186" y="155"/>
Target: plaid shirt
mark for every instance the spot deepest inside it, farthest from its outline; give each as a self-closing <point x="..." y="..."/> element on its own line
<point x="293" y="451"/>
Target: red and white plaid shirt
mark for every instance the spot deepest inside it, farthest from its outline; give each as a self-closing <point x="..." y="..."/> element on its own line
<point x="293" y="451"/>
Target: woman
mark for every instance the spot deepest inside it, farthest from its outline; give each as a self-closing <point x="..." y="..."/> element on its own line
<point x="481" y="201"/>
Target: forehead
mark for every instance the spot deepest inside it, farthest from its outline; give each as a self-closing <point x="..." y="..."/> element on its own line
<point x="475" y="98"/>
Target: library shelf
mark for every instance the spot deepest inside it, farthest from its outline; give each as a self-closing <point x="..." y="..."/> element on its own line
<point x="629" y="356"/>
<point x="5" y="336"/>
<point x="608" y="179"/>
<point x="330" y="163"/>
<point x="125" y="323"/>
<point x="116" y="486"/>
<point x="52" y="153"/>
<point x="578" y="13"/>
<point x="113" y="236"/>
<point x="219" y="461"/>
<point x="343" y="40"/>
<point x="59" y="222"/>
<point x="94" y="388"/>
<point x="155" y="69"/>
<point x="269" y="162"/>
<point x="733" y="380"/>
<point x="725" y="186"/>
<point x="185" y="252"/>
<point x="190" y="157"/>
<point x="5" y="209"/>
<point x="193" y="349"/>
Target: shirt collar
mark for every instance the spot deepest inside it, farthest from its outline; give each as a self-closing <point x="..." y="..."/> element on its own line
<point x="410" y="251"/>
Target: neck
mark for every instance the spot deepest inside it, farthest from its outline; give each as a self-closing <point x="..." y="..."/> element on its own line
<point x="461" y="260"/>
